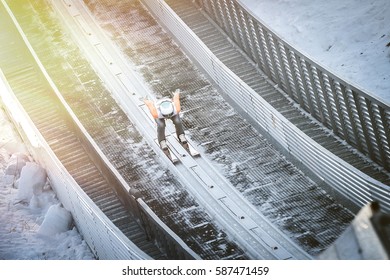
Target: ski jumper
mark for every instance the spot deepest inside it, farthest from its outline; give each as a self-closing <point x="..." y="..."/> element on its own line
<point x="155" y="110"/>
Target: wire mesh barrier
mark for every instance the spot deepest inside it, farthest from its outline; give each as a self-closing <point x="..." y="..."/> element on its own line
<point x="355" y="116"/>
<point x="344" y="108"/>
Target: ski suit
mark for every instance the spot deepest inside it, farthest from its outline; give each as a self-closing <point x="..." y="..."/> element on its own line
<point x="160" y="119"/>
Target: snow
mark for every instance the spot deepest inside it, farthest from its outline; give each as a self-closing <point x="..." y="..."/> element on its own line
<point x="33" y="223"/>
<point x="31" y="182"/>
<point x="349" y="38"/>
<point x="57" y="220"/>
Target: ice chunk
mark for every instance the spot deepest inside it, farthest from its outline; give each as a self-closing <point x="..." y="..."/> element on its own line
<point x="57" y="220"/>
<point x="32" y="180"/>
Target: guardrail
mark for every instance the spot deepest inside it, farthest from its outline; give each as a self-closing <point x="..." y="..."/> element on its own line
<point x="344" y="179"/>
<point x="360" y="119"/>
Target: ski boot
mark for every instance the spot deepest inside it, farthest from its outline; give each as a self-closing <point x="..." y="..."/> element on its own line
<point x="163" y="145"/>
<point x="182" y="139"/>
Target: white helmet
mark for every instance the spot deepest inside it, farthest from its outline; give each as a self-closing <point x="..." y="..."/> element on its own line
<point x="166" y="108"/>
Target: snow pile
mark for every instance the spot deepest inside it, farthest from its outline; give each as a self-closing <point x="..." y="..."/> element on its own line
<point x="33" y="224"/>
<point x="31" y="183"/>
<point x="57" y="220"/>
<point x="351" y="38"/>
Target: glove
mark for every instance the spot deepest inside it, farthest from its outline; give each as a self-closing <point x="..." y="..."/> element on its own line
<point x="176" y="92"/>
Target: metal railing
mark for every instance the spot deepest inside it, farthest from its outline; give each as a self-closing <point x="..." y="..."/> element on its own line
<point x="344" y="179"/>
<point x="355" y="116"/>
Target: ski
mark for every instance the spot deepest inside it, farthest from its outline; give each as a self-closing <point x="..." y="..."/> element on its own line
<point x="190" y="149"/>
<point x="168" y="153"/>
<point x="171" y="156"/>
